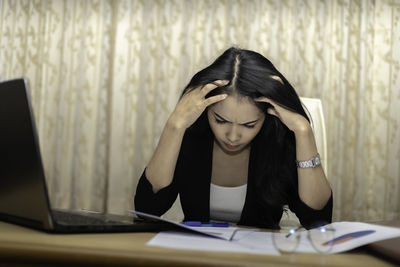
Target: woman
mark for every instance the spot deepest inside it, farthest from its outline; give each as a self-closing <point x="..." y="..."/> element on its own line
<point x="237" y="147"/>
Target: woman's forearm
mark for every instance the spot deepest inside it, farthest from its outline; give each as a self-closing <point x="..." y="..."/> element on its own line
<point x="161" y="168"/>
<point x="314" y="188"/>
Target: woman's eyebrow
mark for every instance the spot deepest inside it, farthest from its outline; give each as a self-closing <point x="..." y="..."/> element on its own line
<point x="222" y="118"/>
<point x="219" y="116"/>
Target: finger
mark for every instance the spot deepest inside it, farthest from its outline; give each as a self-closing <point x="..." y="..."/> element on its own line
<point x="214" y="99"/>
<point x="265" y="100"/>
<point x="211" y="86"/>
<point x="278" y="107"/>
<point x="272" y="111"/>
<point x="261" y="99"/>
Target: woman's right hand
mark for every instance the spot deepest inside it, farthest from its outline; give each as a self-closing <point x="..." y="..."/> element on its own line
<point x="193" y="103"/>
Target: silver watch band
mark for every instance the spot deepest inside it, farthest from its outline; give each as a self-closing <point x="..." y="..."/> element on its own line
<point x="311" y="163"/>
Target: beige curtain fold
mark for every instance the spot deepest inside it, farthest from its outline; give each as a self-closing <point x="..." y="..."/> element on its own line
<point x="105" y="75"/>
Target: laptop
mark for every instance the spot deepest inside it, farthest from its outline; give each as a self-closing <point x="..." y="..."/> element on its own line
<point x="24" y="197"/>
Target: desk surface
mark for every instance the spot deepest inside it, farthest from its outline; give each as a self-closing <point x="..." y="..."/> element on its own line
<point x="20" y="246"/>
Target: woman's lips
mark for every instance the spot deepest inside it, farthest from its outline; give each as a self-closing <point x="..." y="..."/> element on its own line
<point x="231" y="147"/>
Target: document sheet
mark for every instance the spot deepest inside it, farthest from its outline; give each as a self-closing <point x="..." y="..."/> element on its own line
<point x="347" y="236"/>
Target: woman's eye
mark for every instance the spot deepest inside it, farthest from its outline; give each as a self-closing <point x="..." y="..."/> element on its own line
<point x="220" y="121"/>
<point x="249" y="126"/>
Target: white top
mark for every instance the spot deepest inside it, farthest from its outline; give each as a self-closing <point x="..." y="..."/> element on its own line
<point x="226" y="203"/>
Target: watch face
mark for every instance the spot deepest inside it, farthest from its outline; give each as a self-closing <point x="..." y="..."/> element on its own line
<point x="317" y="161"/>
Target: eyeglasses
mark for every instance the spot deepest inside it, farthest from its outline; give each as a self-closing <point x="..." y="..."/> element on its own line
<point x="320" y="236"/>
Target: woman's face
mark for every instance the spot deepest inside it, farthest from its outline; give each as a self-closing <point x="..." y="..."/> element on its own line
<point x="235" y="122"/>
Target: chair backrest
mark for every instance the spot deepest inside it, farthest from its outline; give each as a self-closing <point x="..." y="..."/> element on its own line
<point x="313" y="107"/>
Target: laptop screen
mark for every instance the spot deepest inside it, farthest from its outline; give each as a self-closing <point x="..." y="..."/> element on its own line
<point x="23" y="194"/>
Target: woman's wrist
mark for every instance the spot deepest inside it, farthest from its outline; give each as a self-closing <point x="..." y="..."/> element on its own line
<point x="175" y="125"/>
<point x="303" y="128"/>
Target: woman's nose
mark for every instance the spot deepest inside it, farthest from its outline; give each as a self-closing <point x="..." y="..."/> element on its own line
<point x="233" y="134"/>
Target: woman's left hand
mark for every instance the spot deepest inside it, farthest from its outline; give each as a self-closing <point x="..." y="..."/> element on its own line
<point x="294" y="121"/>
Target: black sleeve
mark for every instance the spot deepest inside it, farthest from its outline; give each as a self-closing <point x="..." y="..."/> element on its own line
<point x="194" y="148"/>
<point x="308" y="216"/>
<point x="154" y="203"/>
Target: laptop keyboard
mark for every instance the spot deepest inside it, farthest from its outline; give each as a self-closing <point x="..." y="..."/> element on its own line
<point x="69" y="218"/>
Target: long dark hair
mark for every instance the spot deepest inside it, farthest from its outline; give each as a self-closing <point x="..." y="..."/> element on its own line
<point x="252" y="75"/>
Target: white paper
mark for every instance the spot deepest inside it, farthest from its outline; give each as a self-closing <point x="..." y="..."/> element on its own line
<point x="349" y="228"/>
<point x="252" y="241"/>
<point x="246" y="241"/>
<point x="225" y="233"/>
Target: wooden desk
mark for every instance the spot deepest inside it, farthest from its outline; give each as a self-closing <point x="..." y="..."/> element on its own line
<point x="21" y="246"/>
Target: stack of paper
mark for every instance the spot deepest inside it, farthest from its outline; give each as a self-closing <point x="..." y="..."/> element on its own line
<point x="347" y="236"/>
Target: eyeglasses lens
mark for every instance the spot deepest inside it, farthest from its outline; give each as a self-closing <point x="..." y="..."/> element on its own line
<point x="286" y="240"/>
<point x="321" y="238"/>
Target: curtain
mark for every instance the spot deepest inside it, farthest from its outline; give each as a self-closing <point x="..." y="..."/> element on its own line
<point x="105" y="75"/>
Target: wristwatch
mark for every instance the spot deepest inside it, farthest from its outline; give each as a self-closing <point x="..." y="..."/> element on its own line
<point x="311" y="163"/>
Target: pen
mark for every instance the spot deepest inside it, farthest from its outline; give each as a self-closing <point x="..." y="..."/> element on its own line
<point x="207" y="224"/>
<point x="347" y="237"/>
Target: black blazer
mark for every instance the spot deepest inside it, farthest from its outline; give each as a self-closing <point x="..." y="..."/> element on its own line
<point x="192" y="179"/>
